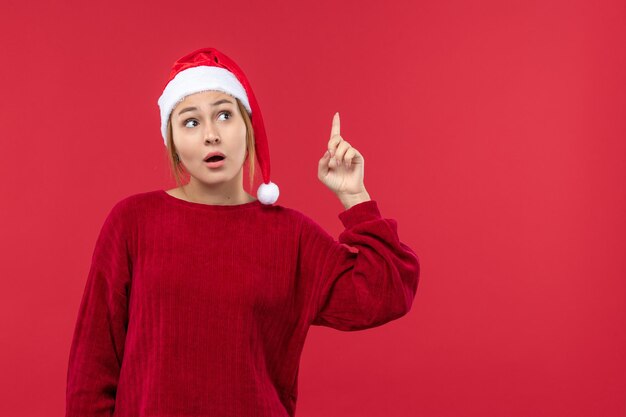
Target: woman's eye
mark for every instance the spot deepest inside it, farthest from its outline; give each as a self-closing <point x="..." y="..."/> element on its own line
<point x="194" y="120"/>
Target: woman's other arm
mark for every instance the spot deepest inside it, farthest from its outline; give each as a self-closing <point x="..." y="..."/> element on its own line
<point x="97" y="348"/>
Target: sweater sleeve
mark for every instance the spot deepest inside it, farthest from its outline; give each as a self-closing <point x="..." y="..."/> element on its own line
<point x="367" y="278"/>
<point x="97" y="347"/>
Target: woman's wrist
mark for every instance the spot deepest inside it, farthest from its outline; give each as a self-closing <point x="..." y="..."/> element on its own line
<point x="349" y="200"/>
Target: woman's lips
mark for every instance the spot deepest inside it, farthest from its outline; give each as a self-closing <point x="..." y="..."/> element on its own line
<point x="215" y="164"/>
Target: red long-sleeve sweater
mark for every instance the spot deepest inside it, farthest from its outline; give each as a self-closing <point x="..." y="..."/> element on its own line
<point x="199" y="310"/>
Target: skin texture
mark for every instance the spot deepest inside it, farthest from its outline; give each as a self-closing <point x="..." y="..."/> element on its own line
<point x="342" y="168"/>
<point x="211" y="128"/>
<point x="221" y="128"/>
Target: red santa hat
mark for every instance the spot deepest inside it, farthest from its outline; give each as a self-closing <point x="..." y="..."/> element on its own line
<point x="209" y="69"/>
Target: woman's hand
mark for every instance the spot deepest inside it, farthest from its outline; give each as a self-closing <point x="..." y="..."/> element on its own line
<point x="341" y="168"/>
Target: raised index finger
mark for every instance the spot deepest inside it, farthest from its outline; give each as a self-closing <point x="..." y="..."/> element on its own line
<point x="335" y="128"/>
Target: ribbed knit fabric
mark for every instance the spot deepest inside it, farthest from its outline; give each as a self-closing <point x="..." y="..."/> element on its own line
<point x="202" y="310"/>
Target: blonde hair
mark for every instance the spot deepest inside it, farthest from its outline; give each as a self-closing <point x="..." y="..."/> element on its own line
<point x="178" y="169"/>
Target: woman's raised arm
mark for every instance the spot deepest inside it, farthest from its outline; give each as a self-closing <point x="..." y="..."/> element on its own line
<point x="365" y="279"/>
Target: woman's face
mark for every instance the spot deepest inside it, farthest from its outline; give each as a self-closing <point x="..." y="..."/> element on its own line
<point x="210" y="121"/>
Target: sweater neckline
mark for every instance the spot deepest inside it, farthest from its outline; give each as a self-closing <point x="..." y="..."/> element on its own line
<point x="208" y="207"/>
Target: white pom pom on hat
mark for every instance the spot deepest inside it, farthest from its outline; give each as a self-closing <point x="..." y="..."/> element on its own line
<point x="209" y="69"/>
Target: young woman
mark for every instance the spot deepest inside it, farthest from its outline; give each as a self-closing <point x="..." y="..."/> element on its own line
<point x="199" y="298"/>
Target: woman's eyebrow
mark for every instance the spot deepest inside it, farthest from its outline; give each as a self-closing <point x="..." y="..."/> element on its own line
<point x="214" y="104"/>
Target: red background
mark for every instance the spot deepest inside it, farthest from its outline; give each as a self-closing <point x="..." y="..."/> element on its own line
<point x="493" y="131"/>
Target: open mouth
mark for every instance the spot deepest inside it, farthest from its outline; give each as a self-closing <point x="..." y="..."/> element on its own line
<point x="214" y="158"/>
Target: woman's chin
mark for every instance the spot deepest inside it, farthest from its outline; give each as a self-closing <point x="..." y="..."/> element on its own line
<point x="212" y="178"/>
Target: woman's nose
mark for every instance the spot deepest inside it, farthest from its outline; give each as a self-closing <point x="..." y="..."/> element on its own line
<point x="210" y="134"/>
